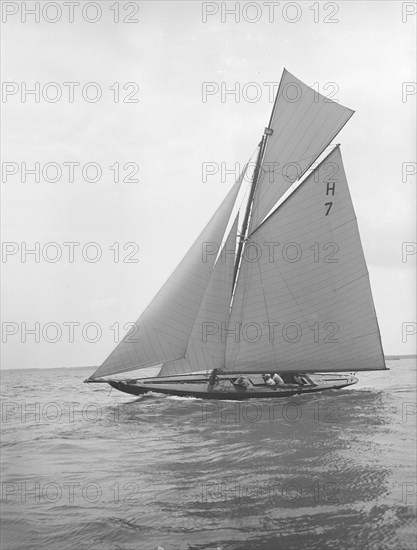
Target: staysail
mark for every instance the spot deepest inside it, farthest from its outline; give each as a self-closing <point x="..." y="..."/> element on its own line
<point x="303" y="299"/>
<point x="162" y="332"/>
<point x="204" y="352"/>
<point x="303" y="123"/>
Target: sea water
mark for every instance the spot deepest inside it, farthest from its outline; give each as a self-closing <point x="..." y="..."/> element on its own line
<point x="87" y="467"/>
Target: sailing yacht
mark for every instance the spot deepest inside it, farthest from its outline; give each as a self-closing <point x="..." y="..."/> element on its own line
<point x="276" y="284"/>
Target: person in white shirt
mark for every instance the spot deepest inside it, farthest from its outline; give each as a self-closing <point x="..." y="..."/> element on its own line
<point x="277" y="379"/>
<point x="268" y="380"/>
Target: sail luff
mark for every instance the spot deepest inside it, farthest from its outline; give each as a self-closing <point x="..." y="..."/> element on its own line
<point x="274" y="107"/>
<point x="248" y="210"/>
<point x="162" y="332"/>
<point x="206" y="350"/>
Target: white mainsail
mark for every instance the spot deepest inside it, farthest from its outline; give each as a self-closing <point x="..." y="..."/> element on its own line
<point x="205" y="352"/>
<point x="304" y="123"/>
<point x="303" y="299"/>
<point x="164" y="328"/>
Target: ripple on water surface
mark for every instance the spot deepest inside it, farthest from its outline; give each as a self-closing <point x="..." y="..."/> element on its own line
<point x="86" y="467"/>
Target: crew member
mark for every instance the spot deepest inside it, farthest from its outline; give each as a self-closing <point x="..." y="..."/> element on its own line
<point x="268" y="380"/>
<point x="214" y="378"/>
<point x="277" y="379"/>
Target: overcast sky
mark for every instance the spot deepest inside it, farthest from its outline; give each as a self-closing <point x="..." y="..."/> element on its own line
<point x="363" y="55"/>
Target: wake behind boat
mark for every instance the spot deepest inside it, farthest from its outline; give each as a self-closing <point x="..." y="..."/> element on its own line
<point x="275" y="283"/>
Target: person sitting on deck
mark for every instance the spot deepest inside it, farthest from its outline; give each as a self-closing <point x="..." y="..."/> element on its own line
<point x="241" y="381"/>
<point x="268" y="380"/>
<point x="277" y="379"/>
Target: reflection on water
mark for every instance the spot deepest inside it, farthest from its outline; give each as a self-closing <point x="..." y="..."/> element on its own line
<point x="87" y="468"/>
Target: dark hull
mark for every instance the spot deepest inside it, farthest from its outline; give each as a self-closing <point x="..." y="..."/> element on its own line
<point x="199" y="387"/>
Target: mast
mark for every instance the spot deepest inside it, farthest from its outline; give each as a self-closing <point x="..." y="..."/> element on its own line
<point x="245" y="224"/>
<point x="247" y="213"/>
<point x="262" y="146"/>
